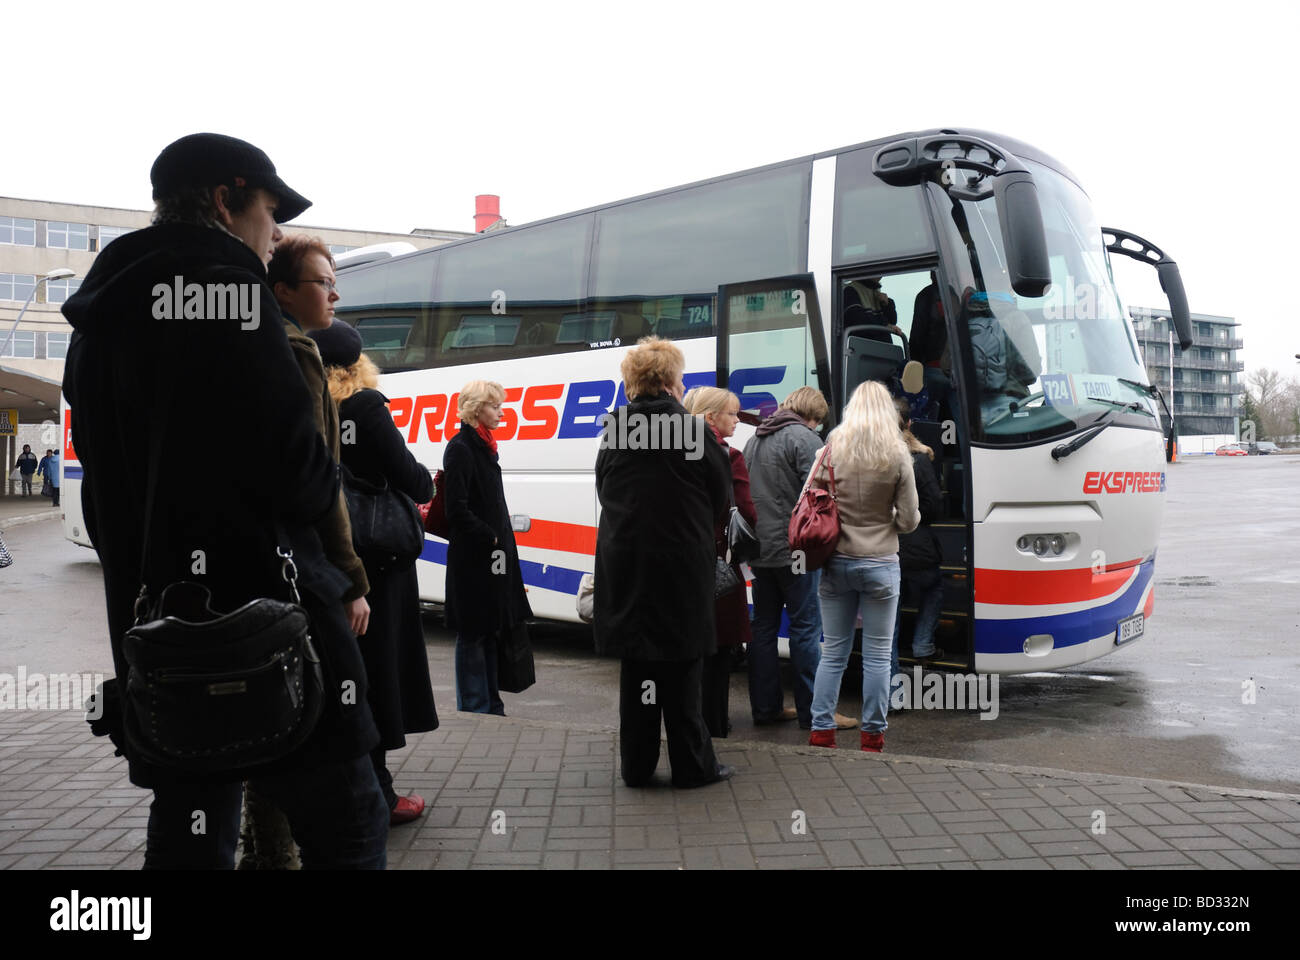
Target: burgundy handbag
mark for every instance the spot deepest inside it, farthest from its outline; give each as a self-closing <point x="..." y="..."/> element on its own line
<point x="435" y="514"/>
<point x="815" y="522"/>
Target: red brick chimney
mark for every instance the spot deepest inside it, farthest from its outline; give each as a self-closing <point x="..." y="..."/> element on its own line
<point x="487" y="211"/>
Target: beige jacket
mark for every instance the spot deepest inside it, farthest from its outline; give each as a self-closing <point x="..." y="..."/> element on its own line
<point x="335" y="529"/>
<point x="875" y="507"/>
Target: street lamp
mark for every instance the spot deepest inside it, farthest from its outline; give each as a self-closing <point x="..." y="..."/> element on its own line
<point x="60" y="273"/>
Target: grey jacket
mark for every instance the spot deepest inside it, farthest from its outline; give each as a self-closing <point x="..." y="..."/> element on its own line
<point x="779" y="457"/>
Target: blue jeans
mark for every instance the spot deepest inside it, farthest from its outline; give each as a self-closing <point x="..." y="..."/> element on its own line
<point x="336" y="811"/>
<point x="476" y="675"/>
<point x="851" y="585"/>
<point x="776" y="588"/>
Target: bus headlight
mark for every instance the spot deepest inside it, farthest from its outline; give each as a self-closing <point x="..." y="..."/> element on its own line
<point x="1044" y="544"/>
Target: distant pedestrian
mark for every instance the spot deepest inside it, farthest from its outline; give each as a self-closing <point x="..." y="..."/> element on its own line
<point x="52" y="476"/>
<point x="655" y="563"/>
<point x="40" y="472"/>
<point x="876" y="495"/>
<point x="485" y="587"/>
<point x="397" y="661"/>
<point x="26" y="466"/>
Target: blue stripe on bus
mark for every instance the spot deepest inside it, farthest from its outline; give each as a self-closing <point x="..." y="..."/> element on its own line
<point x="71" y="473"/>
<point x="547" y="576"/>
<point x="1066" y="629"/>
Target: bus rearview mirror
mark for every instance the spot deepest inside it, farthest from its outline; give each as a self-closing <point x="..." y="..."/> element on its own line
<point x="1171" y="281"/>
<point x="1022" y="232"/>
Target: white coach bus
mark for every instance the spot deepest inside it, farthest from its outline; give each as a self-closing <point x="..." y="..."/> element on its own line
<point x="821" y="271"/>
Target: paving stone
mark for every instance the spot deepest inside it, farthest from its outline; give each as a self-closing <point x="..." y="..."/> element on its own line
<point x="1101" y="861"/>
<point x="875" y="852"/>
<point x="1143" y="838"/>
<point x="1012" y="847"/>
<point x="1153" y="858"/>
<point x="841" y="853"/>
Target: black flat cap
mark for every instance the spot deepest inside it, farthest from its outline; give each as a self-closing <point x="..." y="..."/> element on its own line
<point x="211" y="159"/>
<point x="339" y="344"/>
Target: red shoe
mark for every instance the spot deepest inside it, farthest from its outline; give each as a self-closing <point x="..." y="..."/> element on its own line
<point x="822" y="738"/>
<point x="873" y="742"/>
<point x="407" y="809"/>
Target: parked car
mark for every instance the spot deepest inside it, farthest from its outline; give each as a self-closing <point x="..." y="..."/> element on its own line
<point x="1263" y="448"/>
<point x="1231" y="450"/>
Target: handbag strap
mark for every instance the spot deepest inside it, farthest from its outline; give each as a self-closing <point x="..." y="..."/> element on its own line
<point x="822" y="456"/>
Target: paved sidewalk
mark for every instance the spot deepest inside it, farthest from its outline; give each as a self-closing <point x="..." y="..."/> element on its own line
<point x="16" y="511"/>
<point x="521" y="794"/>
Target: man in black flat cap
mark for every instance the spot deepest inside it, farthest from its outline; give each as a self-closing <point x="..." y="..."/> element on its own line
<point x="208" y="395"/>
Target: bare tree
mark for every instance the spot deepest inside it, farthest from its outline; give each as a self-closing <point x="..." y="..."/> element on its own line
<point x="1275" y="401"/>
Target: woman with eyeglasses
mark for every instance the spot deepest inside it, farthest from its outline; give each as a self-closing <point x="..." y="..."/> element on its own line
<point x="301" y="275"/>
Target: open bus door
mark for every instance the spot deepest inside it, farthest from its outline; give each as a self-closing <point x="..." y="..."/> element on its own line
<point x="883" y="321"/>
<point x="770" y="343"/>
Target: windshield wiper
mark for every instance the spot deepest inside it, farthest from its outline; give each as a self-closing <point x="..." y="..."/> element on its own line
<point x="1131" y="405"/>
<point x="1065" y="449"/>
<point x="1149" y="389"/>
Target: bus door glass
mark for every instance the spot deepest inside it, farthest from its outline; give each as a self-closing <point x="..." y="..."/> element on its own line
<point x="770" y="342"/>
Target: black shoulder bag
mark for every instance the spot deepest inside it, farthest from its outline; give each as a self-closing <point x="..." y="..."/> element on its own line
<point x="387" y="532"/>
<point x="213" y="693"/>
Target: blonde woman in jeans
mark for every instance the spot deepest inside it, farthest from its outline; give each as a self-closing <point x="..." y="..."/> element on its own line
<point x="876" y="494"/>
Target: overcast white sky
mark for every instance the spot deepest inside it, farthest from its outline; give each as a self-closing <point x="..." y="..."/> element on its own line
<point x="1179" y="121"/>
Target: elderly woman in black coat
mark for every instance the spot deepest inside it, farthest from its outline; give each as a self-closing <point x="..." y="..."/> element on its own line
<point x="397" y="665"/>
<point x="663" y="485"/>
<point x="485" y="589"/>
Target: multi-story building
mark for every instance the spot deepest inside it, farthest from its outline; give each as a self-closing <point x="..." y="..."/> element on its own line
<point x="1206" y="389"/>
<point x="39" y="237"/>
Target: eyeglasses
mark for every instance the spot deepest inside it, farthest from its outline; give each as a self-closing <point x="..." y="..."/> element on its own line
<point x="327" y="284"/>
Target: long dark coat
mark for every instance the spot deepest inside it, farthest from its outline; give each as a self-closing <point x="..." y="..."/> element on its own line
<point x="397" y="663"/>
<point x="241" y="454"/>
<point x="655" y="545"/>
<point x="732" y="611"/>
<point x="479" y="601"/>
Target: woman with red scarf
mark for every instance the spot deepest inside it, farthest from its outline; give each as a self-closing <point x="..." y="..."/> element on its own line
<point x="485" y="589"/>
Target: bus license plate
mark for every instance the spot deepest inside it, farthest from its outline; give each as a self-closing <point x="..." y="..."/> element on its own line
<point x="1130" y="628"/>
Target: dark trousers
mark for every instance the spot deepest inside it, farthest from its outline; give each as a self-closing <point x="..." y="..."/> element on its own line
<point x="476" y="675"/>
<point x="336" y="812"/>
<point x="379" y="760"/>
<point x="671" y="690"/>
<point x="716" y="691"/>
<point x="55" y="497"/>
<point x="777" y="588"/>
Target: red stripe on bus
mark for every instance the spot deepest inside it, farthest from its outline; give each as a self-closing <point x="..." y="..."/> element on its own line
<point x="553" y="535"/>
<point x="1030" y="587"/>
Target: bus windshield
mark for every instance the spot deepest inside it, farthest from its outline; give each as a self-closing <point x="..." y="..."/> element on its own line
<point x="1048" y="365"/>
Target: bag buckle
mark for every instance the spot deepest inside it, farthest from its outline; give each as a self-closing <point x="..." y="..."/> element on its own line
<point x="289" y="571"/>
